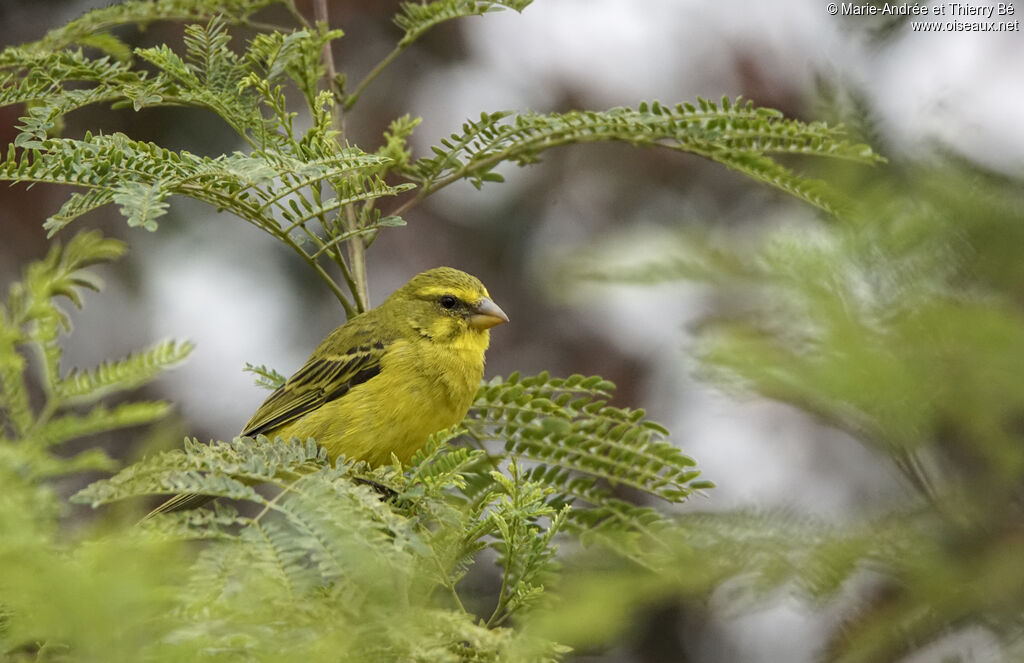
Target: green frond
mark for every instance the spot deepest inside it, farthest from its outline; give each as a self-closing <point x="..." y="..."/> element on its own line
<point x="207" y="50"/>
<point x="438" y="466"/>
<point x="267" y="378"/>
<point x="46" y="466"/>
<point x="44" y="77"/>
<point x="738" y="135"/>
<point x="296" y="54"/>
<point x="172" y="66"/>
<point x="416" y="18"/>
<point x="108" y="44"/>
<point x="142" y="204"/>
<point x="220" y="522"/>
<point x="77" y="205"/>
<point x="220" y="469"/>
<point x="597" y="511"/>
<point x="396" y="148"/>
<point x="61" y="272"/>
<point x="99" y="419"/>
<point x="767" y="171"/>
<point x="209" y="75"/>
<point x="351" y="532"/>
<point x="524" y="546"/>
<point x="566" y="423"/>
<point x="267" y="188"/>
<point x="275" y="554"/>
<point x="122" y="374"/>
<point x="146" y="11"/>
<point x="750" y="555"/>
<point x="31" y="317"/>
<point x="216" y="568"/>
<point x="276" y="53"/>
<point x="15" y="407"/>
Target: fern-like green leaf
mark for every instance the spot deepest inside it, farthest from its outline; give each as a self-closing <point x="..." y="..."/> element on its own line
<point x="736" y="134"/>
<point x="127" y="373"/>
<point x="98" y="420"/>
<point x="61" y="273"/>
<point x="348" y="527"/>
<point x="142" y="204"/>
<point x="75" y="206"/>
<point x="31" y="317"/>
<point x="566" y="423"/>
<point x="417" y="18"/>
<point x="14" y="401"/>
<point x="267" y="378"/>
<point x="437" y="466"/>
<point x="220" y="469"/>
<point x="147" y="11"/>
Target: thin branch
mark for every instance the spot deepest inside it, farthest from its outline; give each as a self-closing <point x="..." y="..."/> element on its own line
<point x="334" y="241"/>
<point x="296" y="14"/>
<point x="320" y="11"/>
<point x="356" y="272"/>
<point x="357" y="259"/>
<point x="412" y="202"/>
<point x="263" y="27"/>
<point x="511" y="549"/>
<point x="351" y="99"/>
<point x="254" y="217"/>
<point x="349" y="309"/>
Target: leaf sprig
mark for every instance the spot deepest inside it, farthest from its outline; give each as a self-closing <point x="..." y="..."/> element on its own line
<point x="31" y="318"/>
<point x="735" y="133"/>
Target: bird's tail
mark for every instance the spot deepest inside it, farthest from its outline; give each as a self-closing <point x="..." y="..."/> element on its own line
<point x="182" y="502"/>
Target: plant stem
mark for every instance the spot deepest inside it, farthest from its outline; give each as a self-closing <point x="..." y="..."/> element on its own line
<point x="357" y="260"/>
<point x="351" y="99"/>
<point x="357" y="244"/>
<point x="446" y="581"/>
<point x="255" y="217"/>
<point x="294" y="11"/>
<point x="320" y="11"/>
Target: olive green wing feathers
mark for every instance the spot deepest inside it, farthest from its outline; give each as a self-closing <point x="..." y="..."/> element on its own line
<point x="325" y="377"/>
<point x="181" y="502"/>
<point x="348" y="357"/>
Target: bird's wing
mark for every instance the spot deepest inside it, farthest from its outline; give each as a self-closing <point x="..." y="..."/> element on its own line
<point x="323" y="378"/>
<point x="326" y="376"/>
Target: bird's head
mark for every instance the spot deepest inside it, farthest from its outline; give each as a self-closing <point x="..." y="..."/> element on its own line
<point x="445" y="304"/>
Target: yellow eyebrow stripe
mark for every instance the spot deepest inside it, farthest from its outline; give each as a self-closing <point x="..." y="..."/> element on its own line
<point x="462" y="293"/>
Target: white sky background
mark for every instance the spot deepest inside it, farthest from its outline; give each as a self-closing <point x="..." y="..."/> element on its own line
<point x="962" y="89"/>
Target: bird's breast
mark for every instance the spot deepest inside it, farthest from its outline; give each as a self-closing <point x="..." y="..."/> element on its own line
<point x="423" y="387"/>
<point x="442" y="376"/>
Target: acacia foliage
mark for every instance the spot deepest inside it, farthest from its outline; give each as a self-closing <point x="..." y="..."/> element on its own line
<point x="453" y="558"/>
<point x="900" y="323"/>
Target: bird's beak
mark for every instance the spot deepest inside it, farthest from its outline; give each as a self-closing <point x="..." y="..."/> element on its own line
<point x="486" y="314"/>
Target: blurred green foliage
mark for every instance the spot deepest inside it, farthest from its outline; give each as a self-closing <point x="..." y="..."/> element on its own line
<point x="895" y="316"/>
<point x="901" y="323"/>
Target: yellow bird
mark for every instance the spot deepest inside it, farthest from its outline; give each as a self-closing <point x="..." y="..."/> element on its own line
<point x="381" y="383"/>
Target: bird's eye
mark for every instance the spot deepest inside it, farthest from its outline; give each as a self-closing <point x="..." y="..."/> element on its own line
<point x="448" y="301"/>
